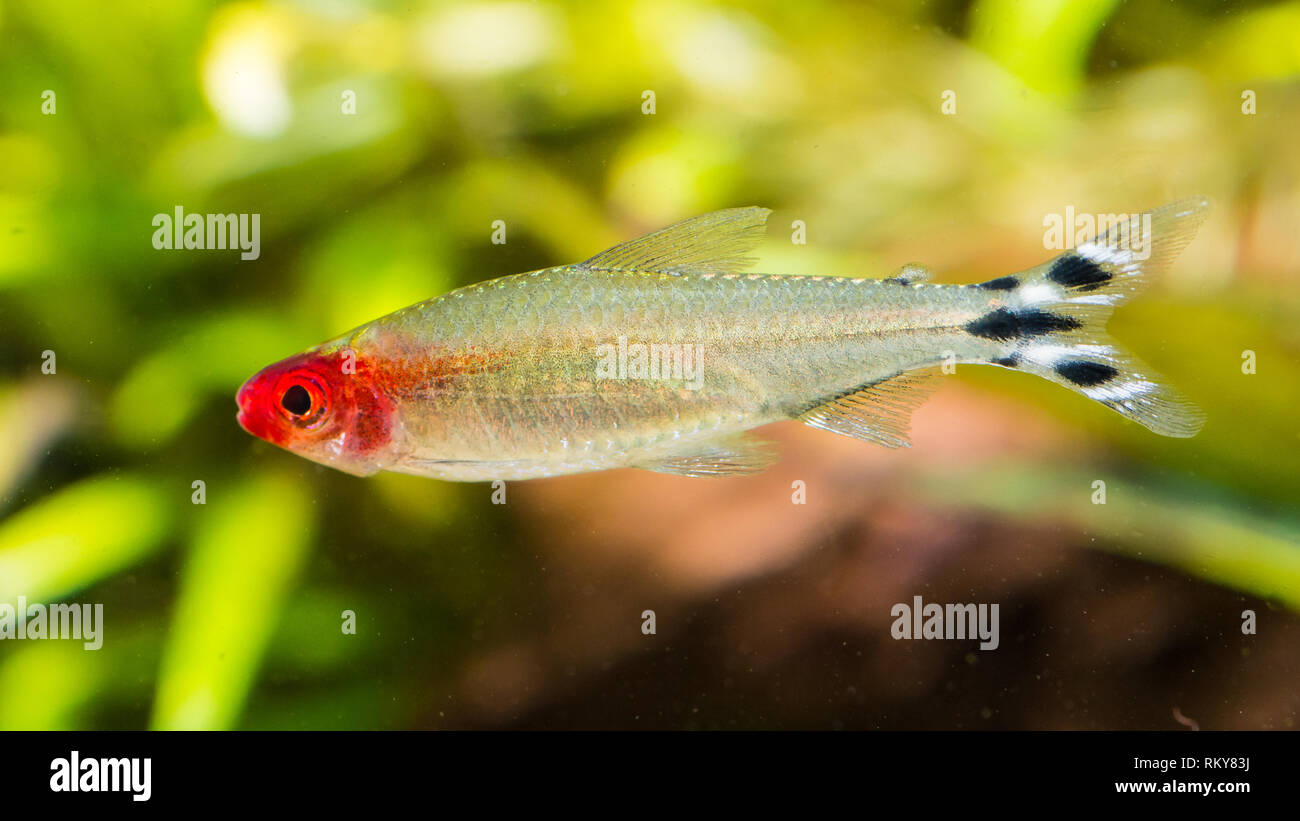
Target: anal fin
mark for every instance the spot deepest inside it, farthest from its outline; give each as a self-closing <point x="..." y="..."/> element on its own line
<point x="879" y="411"/>
<point x="738" y="455"/>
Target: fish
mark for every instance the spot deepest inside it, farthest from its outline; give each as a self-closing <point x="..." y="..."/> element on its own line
<point x="664" y="353"/>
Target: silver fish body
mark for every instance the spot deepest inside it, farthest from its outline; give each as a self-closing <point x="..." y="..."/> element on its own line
<point x="661" y="353"/>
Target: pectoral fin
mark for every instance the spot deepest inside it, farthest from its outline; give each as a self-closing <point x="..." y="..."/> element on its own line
<point x="732" y="456"/>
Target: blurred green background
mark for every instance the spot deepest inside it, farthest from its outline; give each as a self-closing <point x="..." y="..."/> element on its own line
<point x="528" y="614"/>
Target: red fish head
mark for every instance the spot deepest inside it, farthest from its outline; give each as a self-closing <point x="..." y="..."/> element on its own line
<point x="318" y="406"/>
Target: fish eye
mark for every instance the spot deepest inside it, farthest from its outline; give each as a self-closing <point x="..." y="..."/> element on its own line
<point x="301" y="399"/>
<point x="296" y="400"/>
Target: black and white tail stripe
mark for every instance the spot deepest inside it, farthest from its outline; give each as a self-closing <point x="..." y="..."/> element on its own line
<point x="1084" y="373"/>
<point x="1004" y="324"/>
<point x="1049" y="320"/>
<point x="1078" y="272"/>
<point x="1035" y="315"/>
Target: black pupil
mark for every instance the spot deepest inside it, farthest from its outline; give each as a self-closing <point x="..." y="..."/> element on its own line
<point x="296" y="400"/>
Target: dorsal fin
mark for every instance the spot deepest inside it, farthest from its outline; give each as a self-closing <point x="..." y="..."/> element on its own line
<point x="879" y="412"/>
<point x="910" y="274"/>
<point x="711" y="243"/>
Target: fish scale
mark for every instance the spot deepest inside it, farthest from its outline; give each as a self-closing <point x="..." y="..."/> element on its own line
<point x="770" y="345"/>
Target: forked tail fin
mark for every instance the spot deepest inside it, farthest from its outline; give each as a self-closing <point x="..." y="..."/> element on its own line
<point x="1070" y="298"/>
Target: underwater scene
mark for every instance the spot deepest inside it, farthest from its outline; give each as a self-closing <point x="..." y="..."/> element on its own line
<point x="650" y="365"/>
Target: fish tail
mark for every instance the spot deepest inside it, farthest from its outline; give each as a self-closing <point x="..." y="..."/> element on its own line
<point x="1053" y="317"/>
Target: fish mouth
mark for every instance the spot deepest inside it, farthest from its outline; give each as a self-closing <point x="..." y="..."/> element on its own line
<point x="244" y="400"/>
<point x="260" y="410"/>
<point x="252" y="416"/>
<point x="241" y="399"/>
